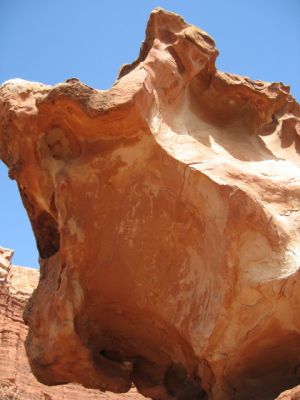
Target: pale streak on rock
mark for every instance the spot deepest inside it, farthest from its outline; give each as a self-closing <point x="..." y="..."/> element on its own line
<point x="166" y="213"/>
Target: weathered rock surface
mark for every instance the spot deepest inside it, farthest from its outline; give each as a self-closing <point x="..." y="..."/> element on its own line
<point x="166" y="212"/>
<point x="16" y="379"/>
<point x="291" y="394"/>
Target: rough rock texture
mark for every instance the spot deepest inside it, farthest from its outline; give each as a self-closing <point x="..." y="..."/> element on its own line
<point x="292" y="394"/>
<point x="16" y="379"/>
<point x="166" y="212"/>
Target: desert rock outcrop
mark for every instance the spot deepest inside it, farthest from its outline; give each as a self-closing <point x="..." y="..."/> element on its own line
<point x="166" y="212"/>
<point x="16" y="379"/>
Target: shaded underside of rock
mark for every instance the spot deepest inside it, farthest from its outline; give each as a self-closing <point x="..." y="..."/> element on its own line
<point x="166" y="214"/>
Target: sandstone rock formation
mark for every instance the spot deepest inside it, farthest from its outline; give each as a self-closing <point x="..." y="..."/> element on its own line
<point x="16" y="380"/>
<point x="166" y="212"/>
<point x="291" y="394"/>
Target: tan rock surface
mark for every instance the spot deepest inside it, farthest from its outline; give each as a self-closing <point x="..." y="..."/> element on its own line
<point x="16" y="379"/>
<point x="166" y="213"/>
<point x="291" y="394"/>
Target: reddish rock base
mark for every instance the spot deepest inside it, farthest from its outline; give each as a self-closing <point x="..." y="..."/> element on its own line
<point x="16" y="379"/>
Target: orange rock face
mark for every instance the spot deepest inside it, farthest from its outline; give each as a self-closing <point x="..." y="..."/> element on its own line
<point x="166" y="213"/>
<point x="16" y="379"/>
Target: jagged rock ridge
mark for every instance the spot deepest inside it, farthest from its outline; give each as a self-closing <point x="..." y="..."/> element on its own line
<point x="166" y="213"/>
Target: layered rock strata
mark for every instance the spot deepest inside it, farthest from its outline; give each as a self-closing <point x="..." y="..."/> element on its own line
<point x="16" y="379"/>
<point x="166" y="214"/>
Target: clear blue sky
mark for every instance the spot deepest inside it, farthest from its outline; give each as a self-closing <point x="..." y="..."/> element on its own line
<point x="52" y="40"/>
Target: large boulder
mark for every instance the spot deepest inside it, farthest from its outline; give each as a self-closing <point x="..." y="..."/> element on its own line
<point x="166" y="212"/>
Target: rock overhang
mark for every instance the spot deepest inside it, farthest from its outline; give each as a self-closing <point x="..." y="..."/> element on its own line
<point x="167" y="246"/>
